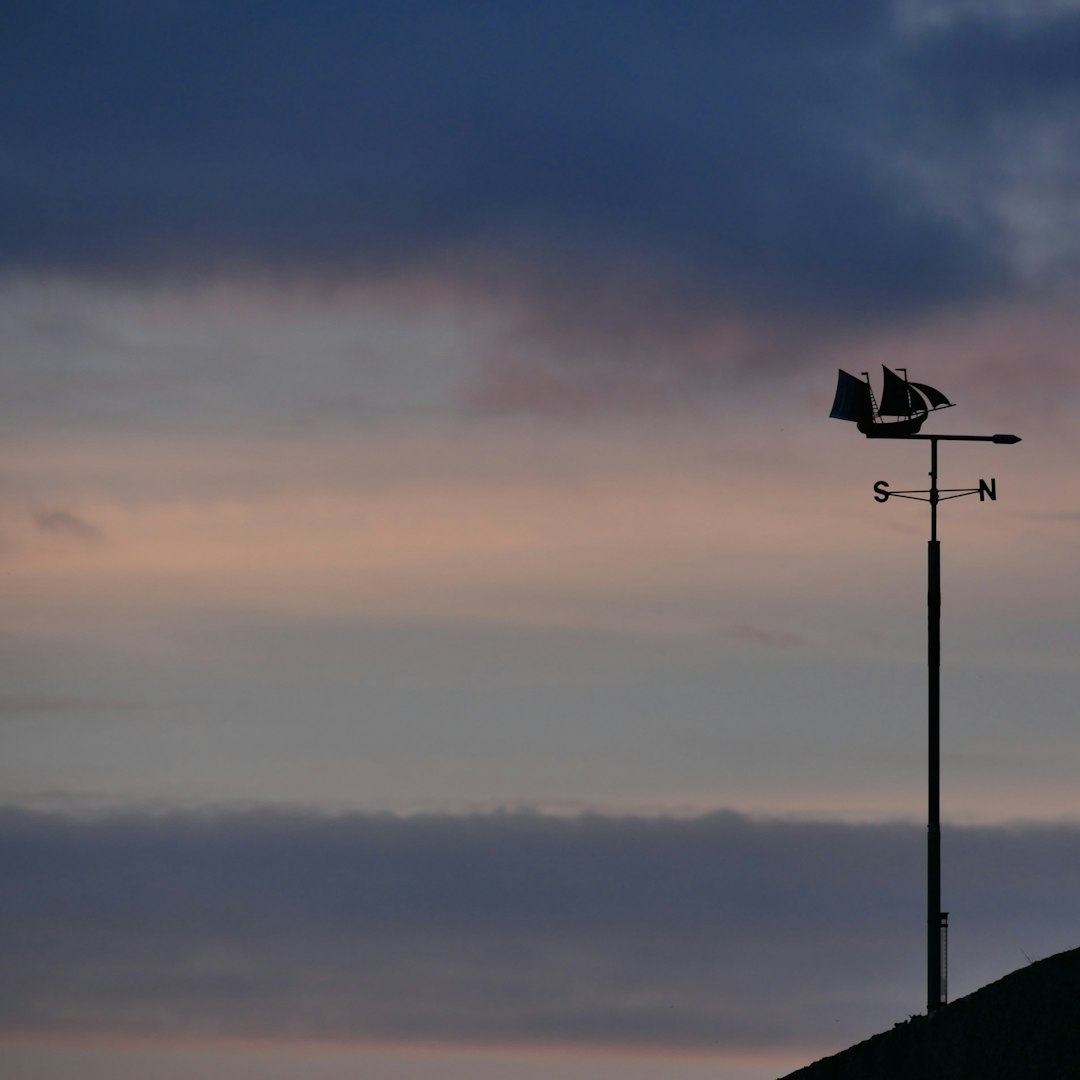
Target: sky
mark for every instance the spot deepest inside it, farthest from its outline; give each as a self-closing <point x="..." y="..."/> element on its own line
<point x="444" y="634"/>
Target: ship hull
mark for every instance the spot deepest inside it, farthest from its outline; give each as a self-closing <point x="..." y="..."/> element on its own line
<point x="895" y="429"/>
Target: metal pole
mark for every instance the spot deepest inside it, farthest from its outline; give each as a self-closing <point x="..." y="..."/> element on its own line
<point x="935" y="962"/>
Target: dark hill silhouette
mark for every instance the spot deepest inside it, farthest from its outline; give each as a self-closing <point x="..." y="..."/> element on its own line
<point x="1025" y="1026"/>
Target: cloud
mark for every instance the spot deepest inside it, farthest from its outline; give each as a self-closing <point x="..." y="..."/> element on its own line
<point x="718" y="931"/>
<point x="991" y="144"/>
<point x="56" y="521"/>
<point x="549" y="210"/>
<point x="747" y="152"/>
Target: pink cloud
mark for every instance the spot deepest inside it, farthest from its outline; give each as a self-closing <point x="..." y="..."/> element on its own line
<point x="59" y="522"/>
<point x="653" y="359"/>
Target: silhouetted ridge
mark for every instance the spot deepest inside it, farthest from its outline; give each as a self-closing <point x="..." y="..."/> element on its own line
<point x="1025" y="1026"/>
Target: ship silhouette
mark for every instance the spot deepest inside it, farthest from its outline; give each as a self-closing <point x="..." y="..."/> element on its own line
<point x="903" y="408"/>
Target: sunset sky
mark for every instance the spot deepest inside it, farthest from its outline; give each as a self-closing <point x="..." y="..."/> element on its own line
<point x="444" y="635"/>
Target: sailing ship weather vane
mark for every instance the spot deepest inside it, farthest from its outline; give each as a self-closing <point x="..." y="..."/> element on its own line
<point x="900" y="414"/>
<point x="904" y="405"/>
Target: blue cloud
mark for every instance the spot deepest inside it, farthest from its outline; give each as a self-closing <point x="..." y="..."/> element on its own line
<point x="719" y="931"/>
<point x="737" y="150"/>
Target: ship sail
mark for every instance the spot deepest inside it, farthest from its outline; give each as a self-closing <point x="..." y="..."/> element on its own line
<point x="853" y="400"/>
<point x="936" y="398"/>
<point x="899" y="398"/>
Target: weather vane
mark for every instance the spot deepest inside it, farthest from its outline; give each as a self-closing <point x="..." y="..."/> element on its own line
<point x="903" y="408"/>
